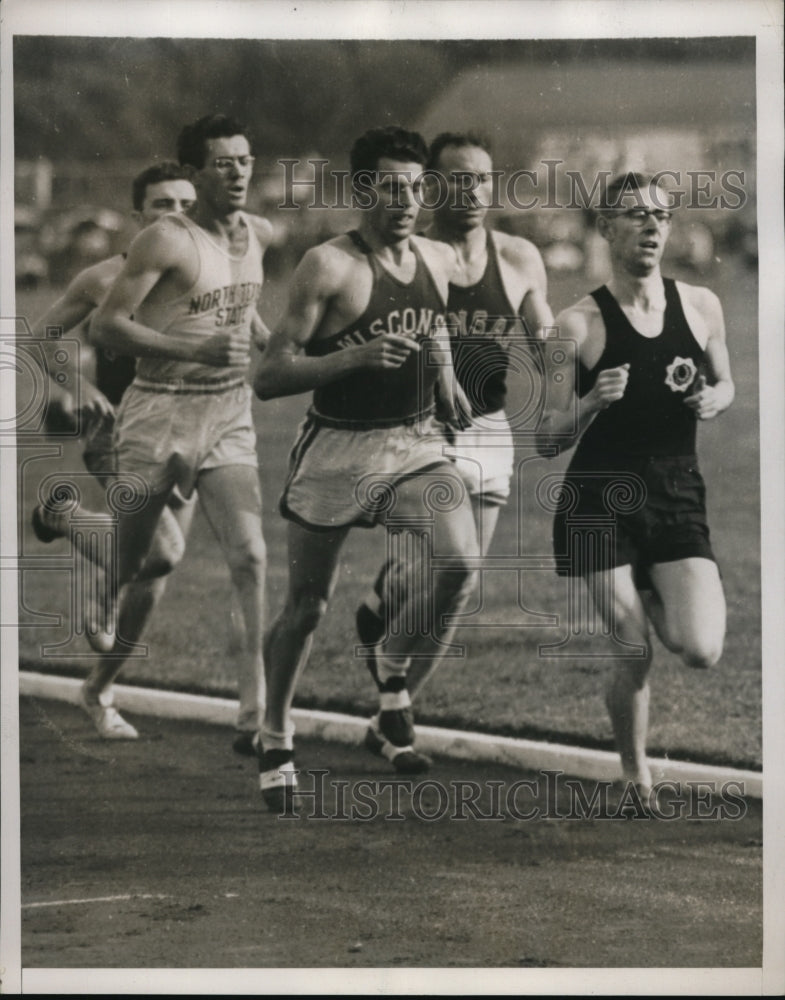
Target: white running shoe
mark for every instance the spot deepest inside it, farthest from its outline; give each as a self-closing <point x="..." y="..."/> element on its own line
<point x="108" y="721"/>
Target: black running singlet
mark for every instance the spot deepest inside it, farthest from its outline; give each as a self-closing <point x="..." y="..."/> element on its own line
<point x="395" y="394"/>
<point x="651" y="418"/>
<point x="113" y="372"/>
<point x="481" y="319"/>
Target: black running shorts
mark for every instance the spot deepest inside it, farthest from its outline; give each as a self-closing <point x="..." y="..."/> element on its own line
<point x="636" y="510"/>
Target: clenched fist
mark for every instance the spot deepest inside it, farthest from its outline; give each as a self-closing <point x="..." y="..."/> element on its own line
<point x="389" y="350"/>
<point x="610" y="386"/>
<point x="224" y="350"/>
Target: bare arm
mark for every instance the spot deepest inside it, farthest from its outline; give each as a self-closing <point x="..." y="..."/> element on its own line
<point x="285" y="370"/>
<point x="536" y="312"/>
<point x="66" y="314"/>
<point x="567" y="416"/>
<point x="260" y="331"/>
<point x="452" y="404"/>
<point x="709" y="400"/>
<point x="158" y="250"/>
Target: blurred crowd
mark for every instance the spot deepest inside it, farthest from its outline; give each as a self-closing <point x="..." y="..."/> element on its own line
<point x="66" y="218"/>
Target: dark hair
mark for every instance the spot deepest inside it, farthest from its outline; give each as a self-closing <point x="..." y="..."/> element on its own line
<point x="192" y="141"/>
<point x="164" y="171"/>
<point x="391" y="141"/>
<point x="458" y="139"/>
<point x="623" y="184"/>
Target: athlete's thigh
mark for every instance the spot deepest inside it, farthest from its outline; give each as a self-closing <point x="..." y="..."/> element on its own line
<point x="231" y="498"/>
<point x="173" y="527"/>
<point x="485" y="518"/>
<point x="693" y="600"/>
<point x="313" y="560"/>
<point x="182" y="514"/>
<point x="618" y="602"/>
<point x="436" y="502"/>
<point x="136" y="530"/>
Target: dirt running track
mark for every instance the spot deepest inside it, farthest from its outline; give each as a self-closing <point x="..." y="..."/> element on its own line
<point x="174" y="824"/>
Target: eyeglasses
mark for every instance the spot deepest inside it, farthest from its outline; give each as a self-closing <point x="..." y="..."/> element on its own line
<point x="639" y="216"/>
<point x="223" y="164"/>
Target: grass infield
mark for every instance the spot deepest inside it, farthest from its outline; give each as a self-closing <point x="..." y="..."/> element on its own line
<point x="501" y="683"/>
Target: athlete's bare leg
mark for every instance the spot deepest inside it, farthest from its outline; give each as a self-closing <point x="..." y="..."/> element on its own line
<point x="135" y="532"/>
<point x="687" y="609"/>
<point x="444" y="590"/>
<point x="232" y="502"/>
<point x="627" y="695"/>
<point x="485" y="517"/>
<point x="143" y="593"/>
<point x="236" y="640"/>
<point x="313" y="569"/>
<point x="168" y="544"/>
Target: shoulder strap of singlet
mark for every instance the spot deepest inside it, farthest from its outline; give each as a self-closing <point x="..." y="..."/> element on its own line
<point x="612" y="312"/>
<point x="359" y="241"/>
<point x="364" y="247"/>
<point x="422" y="265"/>
<point x="379" y="270"/>
<point x="672" y="297"/>
<point x="674" y="310"/>
<point x="196" y="231"/>
<point x="493" y="262"/>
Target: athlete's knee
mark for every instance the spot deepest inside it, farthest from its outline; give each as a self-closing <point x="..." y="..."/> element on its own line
<point x="133" y="567"/>
<point x="248" y="561"/>
<point x="164" y="556"/>
<point x="154" y="567"/>
<point x="459" y="581"/>
<point x="631" y="672"/>
<point x="698" y="643"/>
<point x="305" y="611"/>
<point x="702" y="653"/>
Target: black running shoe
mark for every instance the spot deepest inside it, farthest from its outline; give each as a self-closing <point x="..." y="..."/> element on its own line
<point x="405" y="760"/>
<point x="244" y="743"/>
<point x="397" y="726"/>
<point x="277" y="779"/>
<point x="42" y="531"/>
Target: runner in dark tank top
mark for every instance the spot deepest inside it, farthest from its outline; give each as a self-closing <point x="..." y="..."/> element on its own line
<point x="631" y="515"/>
<point x="412" y="309"/>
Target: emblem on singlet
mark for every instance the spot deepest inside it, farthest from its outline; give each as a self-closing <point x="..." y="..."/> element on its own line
<point x="680" y="374"/>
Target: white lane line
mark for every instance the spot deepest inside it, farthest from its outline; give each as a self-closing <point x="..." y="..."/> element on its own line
<point x="93" y="899"/>
<point x="598" y="765"/>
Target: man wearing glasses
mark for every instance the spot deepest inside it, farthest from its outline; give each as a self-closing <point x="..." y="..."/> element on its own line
<point x="652" y="361"/>
<point x="185" y="306"/>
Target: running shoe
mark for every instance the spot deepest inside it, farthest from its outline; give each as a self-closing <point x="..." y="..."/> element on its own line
<point x="277" y="778"/>
<point x="396" y="719"/>
<point x="108" y="721"/>
<point x="405" y="759"/>
<point x="245" y="743"/>
<point x="46" y="525"/>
